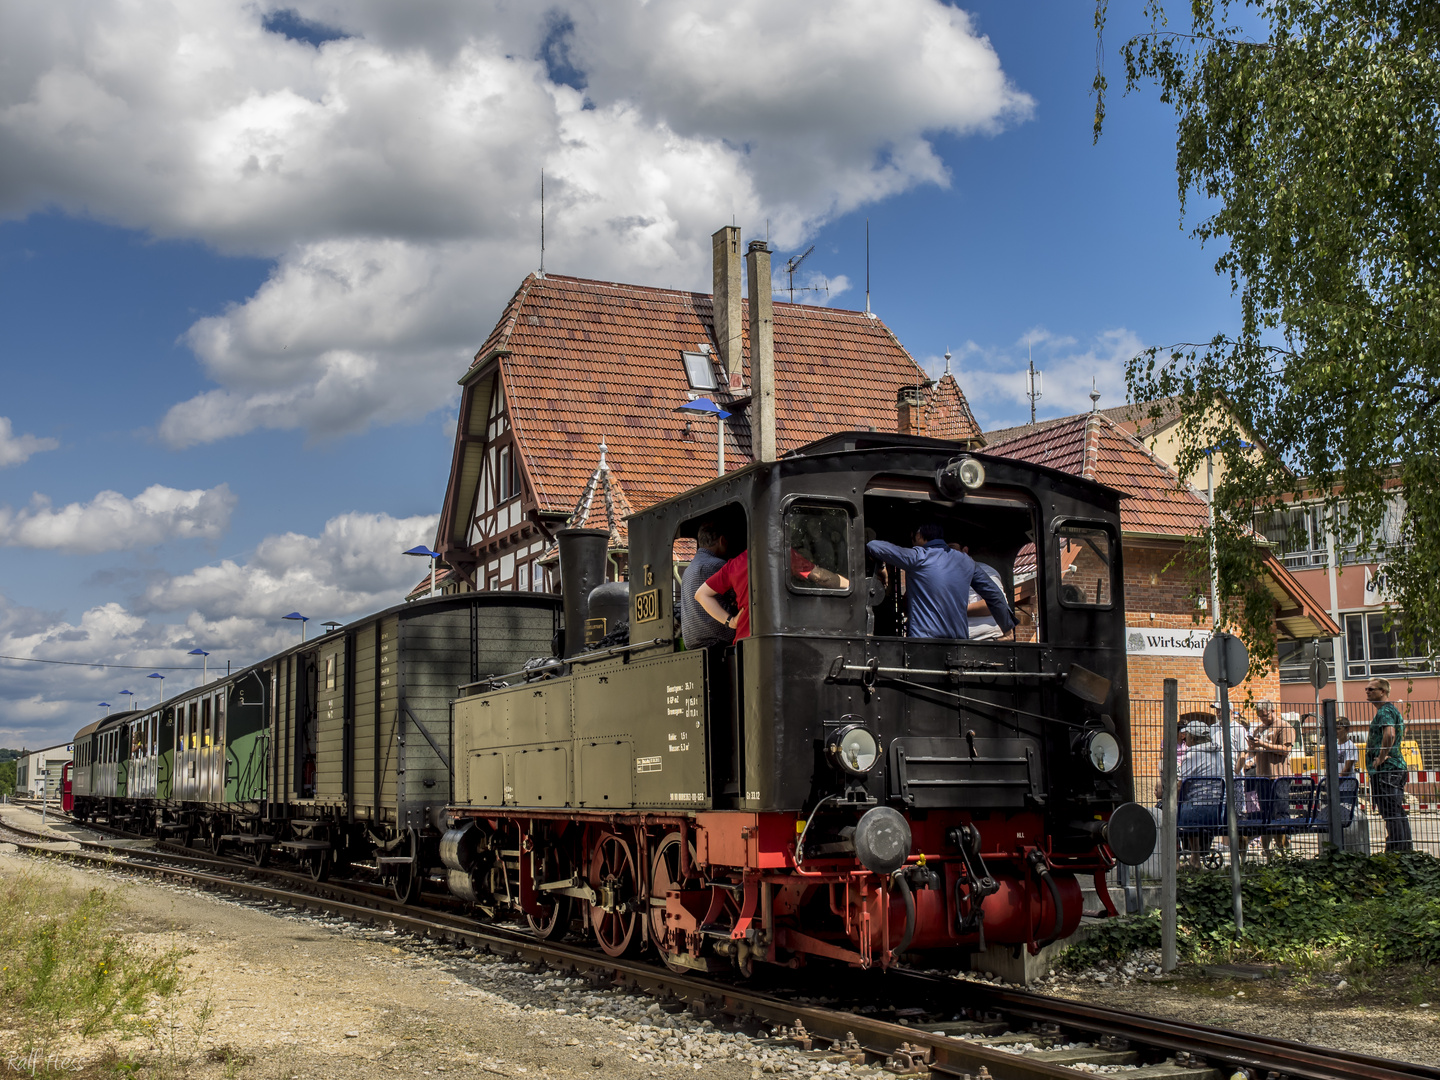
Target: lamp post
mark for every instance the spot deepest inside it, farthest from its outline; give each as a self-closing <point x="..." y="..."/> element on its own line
<point x="295" y="616"/>
<point x="424" y="552"/>
<point x="157" y="675"/>
<point x="204" y="664"/>
<point x="705" y="407"/>
<point x="102" y="705"/>
<point x="128" y="693"/>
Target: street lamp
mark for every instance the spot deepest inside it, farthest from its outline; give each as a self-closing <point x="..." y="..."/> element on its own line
<point x="425" y="552"/>
<point x="157" y="675"/>
<point x="705" y="407"/>
<point x="301" y="619"/>
<point x="103" y="705"/>
<point x="128" y="693"/>
<point x="204" y="664"/>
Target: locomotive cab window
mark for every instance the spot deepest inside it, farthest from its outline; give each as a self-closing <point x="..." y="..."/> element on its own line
<point x="1086" y="565"/>
<point x="996" y="527"/>
<point x="818" y="536"/>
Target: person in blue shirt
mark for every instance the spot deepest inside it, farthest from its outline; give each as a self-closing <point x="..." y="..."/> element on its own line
<point x="940" y="581"/>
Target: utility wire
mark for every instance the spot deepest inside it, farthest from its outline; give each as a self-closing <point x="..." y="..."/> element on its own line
<point x="81" y="663"/>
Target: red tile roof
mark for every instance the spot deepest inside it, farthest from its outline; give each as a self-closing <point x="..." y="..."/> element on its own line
<point x="585" y="360"/>
<point x="1135" y="419"/>
<point x="1098" y="448"/>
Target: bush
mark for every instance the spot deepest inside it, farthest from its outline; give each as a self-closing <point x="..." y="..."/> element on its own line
<point x="1367" y="909"/>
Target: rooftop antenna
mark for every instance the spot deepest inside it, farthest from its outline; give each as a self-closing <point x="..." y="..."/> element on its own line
<point x="794" y="264"/>
<point x="1036" y="381"/>
<point x="1094" y="396"/>
<point x="867" y="266"/>
<point x="542" y="222"/>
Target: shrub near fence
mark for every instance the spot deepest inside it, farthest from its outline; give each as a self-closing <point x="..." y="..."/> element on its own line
<point x="1422" y="751"/>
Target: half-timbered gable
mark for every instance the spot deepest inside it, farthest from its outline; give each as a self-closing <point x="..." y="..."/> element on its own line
<point x="572" y="364"/>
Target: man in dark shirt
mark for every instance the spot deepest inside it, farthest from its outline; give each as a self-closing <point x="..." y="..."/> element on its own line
<point x="940" y="580"/>
<point x="1386" y="765"/>
<point x="696" y="626"/>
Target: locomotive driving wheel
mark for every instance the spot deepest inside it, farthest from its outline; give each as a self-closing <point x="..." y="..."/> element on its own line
<point x="665" y="875"/>
<point x="614" y="913"/>
<point x="552" y="864"/>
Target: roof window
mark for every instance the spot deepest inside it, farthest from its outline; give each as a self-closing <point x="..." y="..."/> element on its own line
<point x="699" y="371"/>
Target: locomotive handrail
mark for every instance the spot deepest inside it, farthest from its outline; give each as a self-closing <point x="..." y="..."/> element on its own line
<point x="578" y="658"/>
<point x="962" y="672"/>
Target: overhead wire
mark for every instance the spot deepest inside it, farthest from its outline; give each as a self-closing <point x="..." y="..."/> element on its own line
<point x="82" y="663"/>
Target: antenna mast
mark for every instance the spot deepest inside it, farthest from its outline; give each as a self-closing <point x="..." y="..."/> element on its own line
<point x="542" y="222"/>
<point x="793" y="264"/>
<point x="867" y="266"/>
<point x="1036" y="382"/>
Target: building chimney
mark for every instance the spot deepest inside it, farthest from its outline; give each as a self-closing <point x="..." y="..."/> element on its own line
<point x="911" y="407"/>
<point x="762" y="353"/>
<point x="729" y="331"/>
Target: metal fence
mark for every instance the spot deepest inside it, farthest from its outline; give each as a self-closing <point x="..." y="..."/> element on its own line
<point x="1288" y="811"/>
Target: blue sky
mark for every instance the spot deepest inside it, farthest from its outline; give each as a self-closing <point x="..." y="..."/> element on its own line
<point x="240" y="308"/>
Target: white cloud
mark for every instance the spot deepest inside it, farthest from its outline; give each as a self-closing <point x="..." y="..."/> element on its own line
<point x="231" y="608"/>
<point x="17" y="449"/>
<point x="995" y="383"/>
<point x="111" y="522"/>
<point x="393" y="174"/>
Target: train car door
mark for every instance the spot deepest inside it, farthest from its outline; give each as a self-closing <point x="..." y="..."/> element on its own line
<point x="67" y="797"/>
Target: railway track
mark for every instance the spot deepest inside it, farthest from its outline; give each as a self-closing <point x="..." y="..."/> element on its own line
<point x="927" y="1025"/>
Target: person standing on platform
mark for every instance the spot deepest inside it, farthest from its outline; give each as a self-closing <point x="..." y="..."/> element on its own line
<point x="1386" y="765"/>
<point x="1346" y="754"/>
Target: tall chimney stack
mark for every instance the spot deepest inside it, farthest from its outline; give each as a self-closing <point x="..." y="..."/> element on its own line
<point x="762" y="353"/>
<point x="729" y="326"/>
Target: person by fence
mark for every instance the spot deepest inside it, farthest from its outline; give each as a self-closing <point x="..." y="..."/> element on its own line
<point x="1386" y="765"/>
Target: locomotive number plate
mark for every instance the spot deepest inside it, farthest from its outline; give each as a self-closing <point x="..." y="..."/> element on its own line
<point x="647" y="606"/>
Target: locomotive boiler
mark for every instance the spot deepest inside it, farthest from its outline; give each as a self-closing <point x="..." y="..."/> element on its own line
<point x="829" y="787"/>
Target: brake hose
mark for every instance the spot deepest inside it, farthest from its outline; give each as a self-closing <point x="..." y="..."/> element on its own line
<point x="909" y="897"/>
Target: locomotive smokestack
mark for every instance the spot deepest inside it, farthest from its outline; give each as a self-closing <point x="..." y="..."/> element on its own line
<point x="729" y="326"/>
<point x="582" y="568"/>
<point x="762" y="353"/>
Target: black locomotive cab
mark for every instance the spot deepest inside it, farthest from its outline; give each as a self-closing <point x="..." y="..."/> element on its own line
<point x="838" y="782"/>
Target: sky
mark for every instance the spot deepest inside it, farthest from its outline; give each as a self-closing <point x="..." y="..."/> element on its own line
<point x="247" y="249"/>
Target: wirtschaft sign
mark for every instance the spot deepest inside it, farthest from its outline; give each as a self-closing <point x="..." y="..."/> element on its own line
<point x="1150" y="641"/>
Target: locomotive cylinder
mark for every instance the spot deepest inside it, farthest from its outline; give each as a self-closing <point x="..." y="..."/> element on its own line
<point x="582" y="568"/>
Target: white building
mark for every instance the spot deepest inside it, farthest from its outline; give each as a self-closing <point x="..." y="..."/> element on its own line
<point x="37" y="770"/>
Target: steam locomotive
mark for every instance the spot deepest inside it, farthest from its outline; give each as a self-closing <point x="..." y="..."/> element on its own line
<point x="825" y="789"/>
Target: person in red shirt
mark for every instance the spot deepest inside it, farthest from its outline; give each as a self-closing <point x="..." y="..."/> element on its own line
<point x="734" y="577"/>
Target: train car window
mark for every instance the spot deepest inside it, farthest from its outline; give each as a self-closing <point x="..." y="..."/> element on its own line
<point x="819" y="548"/>
<point x="1086" y="565"/>
<point x="330" y="672"/>
<point x="205" y="722"/>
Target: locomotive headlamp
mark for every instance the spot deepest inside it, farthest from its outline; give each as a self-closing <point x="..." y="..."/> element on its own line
<point x="971" y="473"/>
<point x="961" y="475"/>
<point x="1102" y="750"/>
<point x="853" y="749"/>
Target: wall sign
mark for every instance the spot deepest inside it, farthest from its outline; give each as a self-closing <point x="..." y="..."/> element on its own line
<point x="1153" y="641"/>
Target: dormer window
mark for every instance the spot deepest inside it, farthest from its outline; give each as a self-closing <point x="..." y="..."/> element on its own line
<point x="699" y="371"/>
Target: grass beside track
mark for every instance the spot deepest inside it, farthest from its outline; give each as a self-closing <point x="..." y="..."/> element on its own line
<point x="70" y="973"/>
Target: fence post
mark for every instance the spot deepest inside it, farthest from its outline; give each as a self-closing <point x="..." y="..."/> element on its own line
<point x="1332" y="770"/>
<point x="1169" y="823"/>
<point x="1232" y="812"/>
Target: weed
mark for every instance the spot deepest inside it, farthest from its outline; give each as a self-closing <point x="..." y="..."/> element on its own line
<point x="67" y="963"/>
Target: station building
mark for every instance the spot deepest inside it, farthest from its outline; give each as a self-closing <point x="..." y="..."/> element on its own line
<point x="568" y="412"/>
<point x="39" y="771"/>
